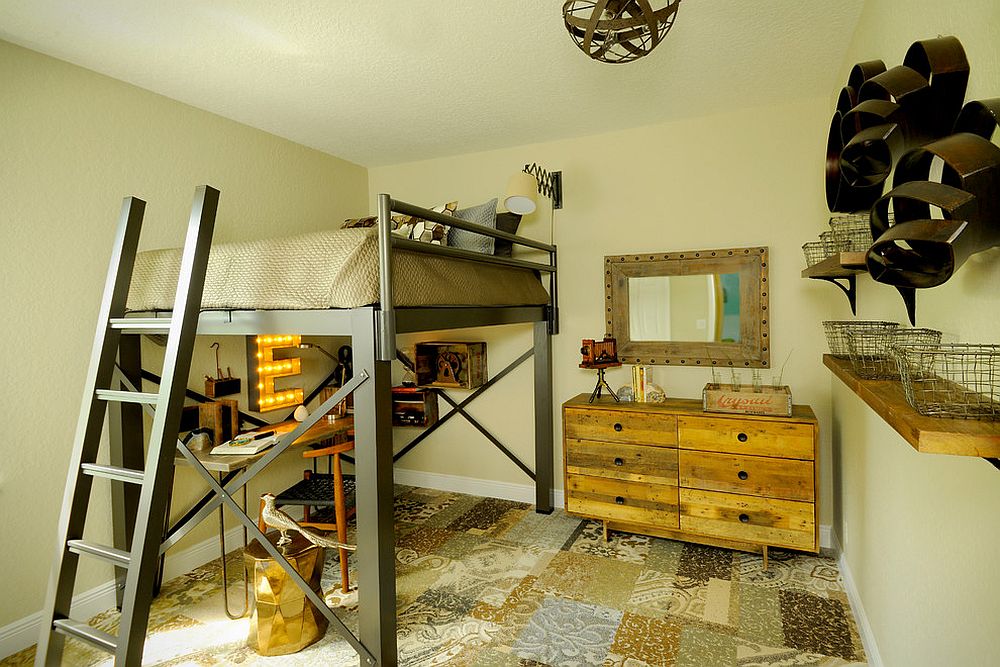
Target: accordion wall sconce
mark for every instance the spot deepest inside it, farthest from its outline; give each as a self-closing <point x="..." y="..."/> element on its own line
<point x="523" y="187"/>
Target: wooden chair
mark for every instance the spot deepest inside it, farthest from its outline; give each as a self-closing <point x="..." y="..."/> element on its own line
<point x="331" y="491"/>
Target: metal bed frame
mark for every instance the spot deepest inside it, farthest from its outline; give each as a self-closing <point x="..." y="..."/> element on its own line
<point x="373" y="331"/>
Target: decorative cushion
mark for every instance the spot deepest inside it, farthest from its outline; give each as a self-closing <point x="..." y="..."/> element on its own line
<point x="485" y="215"/>
<point x="506" y="222"/>
<point x="410" y="226"/>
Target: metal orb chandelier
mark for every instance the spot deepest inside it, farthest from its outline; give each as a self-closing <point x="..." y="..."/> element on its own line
<point x="618" y="31"/>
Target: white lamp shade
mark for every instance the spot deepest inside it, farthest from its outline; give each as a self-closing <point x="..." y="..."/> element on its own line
<point x="521" y="190"/>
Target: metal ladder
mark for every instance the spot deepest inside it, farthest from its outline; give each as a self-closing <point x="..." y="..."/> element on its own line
<point x="141" y="561"/>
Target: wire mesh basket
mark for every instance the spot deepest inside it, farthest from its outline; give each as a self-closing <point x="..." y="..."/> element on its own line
<point x="951" y="380"/>
<point x="837" y="330"/>
<point x="854" y="230"/>
<point x="871" y="349"/>
<point x="827" y="246"/>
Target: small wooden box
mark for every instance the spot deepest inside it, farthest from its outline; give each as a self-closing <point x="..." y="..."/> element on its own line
<point x="221" y="418"/>
<point x="769" y="400"/>
<point x="414" y="406"/>
<point x="451" y="365"/>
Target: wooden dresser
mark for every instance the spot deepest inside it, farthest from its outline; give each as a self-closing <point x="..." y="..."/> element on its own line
<point x="671" y="470"/>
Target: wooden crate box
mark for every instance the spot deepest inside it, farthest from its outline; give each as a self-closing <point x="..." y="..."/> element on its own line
<point x="414" y="406"/>
<point x="451" y="365"/>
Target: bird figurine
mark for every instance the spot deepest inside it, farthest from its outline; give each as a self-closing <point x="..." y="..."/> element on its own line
<point x="275" y="518"/>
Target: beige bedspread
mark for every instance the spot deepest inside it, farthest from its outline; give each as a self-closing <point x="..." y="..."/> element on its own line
<point x="328" y="269"/>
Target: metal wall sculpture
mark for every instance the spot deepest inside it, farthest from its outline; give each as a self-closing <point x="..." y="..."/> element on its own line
<point x="946" y="186"/>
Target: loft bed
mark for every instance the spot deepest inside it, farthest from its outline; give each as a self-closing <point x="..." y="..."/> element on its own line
<point x="383" y="276"/>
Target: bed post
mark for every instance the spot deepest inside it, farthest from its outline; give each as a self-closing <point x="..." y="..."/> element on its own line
<point x="373" y="474"/>
<point x="387" y="317"/>
<point x="543" y="418"/>
<point x="125" y="450"/>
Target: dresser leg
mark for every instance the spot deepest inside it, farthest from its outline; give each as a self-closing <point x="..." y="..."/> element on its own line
<point x="605" y="531"/>
<point x="765" y="558"/>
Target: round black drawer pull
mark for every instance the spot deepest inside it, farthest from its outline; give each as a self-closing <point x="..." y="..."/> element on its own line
<point x="618" y="427"/>
<point x="742" y="474"/>
<point x="744" y="518"/>
<point x="742" y="437"/>
<point x="619" y="462"/>
<point x="619" y="500"/>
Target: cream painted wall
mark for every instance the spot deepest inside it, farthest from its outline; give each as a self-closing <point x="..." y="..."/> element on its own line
<point x="919" y="531"/>
<point x="739" y="179"/>
<point x="72" y="144"/>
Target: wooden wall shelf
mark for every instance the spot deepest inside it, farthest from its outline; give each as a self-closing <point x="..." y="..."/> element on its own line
<point x="931" y="435"/>
<point x="844" y="266"/>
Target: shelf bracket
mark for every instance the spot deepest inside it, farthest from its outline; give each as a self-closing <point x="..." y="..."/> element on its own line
<point x="909" y="295"/>
<point x="851" y="289"/>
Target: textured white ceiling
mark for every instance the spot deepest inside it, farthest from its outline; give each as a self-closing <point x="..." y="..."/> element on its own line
<point x="389" y="81"/>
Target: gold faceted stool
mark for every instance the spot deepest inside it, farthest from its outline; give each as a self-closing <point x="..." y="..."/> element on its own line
<point x="284" y="620"/>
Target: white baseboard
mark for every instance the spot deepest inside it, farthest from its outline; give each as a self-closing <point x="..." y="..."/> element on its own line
<point x="524" y="493"/>
<point x="827" y="539"/>
<point x="22" y="633"/>
<point x="861" y="618"/>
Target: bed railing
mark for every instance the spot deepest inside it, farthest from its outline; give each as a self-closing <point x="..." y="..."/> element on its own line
<point x="387" y="241"/>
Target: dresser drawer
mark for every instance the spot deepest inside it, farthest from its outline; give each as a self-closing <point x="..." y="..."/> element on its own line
<point x="637" y="463"/>
<point x="790" y="479"/>
<point x="783" y="523"/>
<point x="620" y="500"/>
<point x="644" y="428"/>
<point x="746" y="436"/>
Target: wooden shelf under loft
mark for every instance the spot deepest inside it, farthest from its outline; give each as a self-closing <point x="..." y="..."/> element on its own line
<point x="840" y="265"/>
<point x="930" y="435"/>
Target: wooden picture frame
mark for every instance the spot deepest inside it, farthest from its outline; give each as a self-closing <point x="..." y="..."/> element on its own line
<point x="751" y="350"/>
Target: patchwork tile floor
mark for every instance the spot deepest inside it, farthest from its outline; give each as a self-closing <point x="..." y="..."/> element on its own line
<point x="487" y="582"/>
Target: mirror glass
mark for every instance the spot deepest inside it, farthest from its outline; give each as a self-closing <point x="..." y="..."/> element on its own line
<point x="702" y="307"/>
<point x="705" y="307"/>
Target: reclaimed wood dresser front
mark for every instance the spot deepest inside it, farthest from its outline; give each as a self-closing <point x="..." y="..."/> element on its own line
<point x="671" y="470"/>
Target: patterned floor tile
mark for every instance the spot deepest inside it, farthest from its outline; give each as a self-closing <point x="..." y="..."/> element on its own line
<point x="590" y="578"/>
<point x="664" y="556"/>
<point x="701" y="563"/>
<point x="547" y="531"/>
<point x="652" y="641"/>
<point x="483" y="517"/>
<point x="626" y="547"/>
<point x="700" y="647"/>
<point x="760" y="615"/>
<point x="816" y="624"/>
<point x="567" y="633"/>
<point x="813" y="574"/>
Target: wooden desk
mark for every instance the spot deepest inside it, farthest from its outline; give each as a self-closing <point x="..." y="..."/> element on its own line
<point x="320" y="431"/>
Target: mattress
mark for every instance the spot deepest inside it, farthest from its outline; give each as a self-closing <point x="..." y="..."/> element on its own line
<point x="328" y="269"/>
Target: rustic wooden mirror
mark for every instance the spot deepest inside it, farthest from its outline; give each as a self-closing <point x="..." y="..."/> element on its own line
<point x="691" y="308"/>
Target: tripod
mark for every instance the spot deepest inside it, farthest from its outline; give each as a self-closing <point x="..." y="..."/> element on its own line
<point x="602" y="384"/>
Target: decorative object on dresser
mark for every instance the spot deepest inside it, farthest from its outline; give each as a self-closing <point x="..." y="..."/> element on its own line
<point x="414" y="406"/>
<point x="452" y="365"/>
<point x="694" y="307"/>
<point x="745" y="482"/>
<point x="740" y="400"/>
<point x="599" y="356"/>
<point x="221" y="385"/>
<point x="618" y="31"/>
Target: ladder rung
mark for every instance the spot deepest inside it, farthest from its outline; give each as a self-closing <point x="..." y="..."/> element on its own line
<point x="110" y="554"/>
<point x="128" y="396"/>
<point x="87" y="633"/>
<point x="114" y="472"/>
<point x="142" y="324"/>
